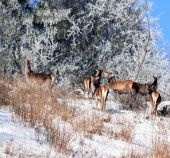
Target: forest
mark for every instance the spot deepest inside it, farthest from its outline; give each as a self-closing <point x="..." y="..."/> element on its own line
<point x="72" y="38"/>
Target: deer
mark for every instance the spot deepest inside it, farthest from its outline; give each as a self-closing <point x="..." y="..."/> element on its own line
<point x="155" y="101"/>
<point x="147" y="88"/>
<point x="153" y="86"/>
<point x="99" y="92"/>
<point x="38" y="79"/>
<point x="132" y="88"/>
<point x="123" y="86"/>
<point x="88" y="85"/>
<point x="87" y="82"/>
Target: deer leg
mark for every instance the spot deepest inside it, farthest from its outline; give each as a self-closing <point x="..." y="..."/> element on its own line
<point x="97" y="103"/>
<point x="92" y="94"/>
<point x="152" y="113"/>
<point x="102" y="104"/>
<point x="86" y="93"/>
<point x="155" y="110"/>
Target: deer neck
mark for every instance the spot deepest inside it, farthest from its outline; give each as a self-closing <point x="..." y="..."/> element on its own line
<point x="153" y="86"/>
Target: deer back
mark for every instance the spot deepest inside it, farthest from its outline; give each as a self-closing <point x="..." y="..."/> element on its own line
<point x="156" y="97"/>
<point x="140" y="88"/>
<point x="121" y="85"/>
<point x="38" y="79"/>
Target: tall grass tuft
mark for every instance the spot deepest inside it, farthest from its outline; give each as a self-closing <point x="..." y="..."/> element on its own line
<point x="37" y="108"/>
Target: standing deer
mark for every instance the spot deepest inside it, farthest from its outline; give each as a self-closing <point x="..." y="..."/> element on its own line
<point x="131" y="87"/>
<point x="153" y="86"/>
<point x="147" y="88"/>
<point x="87" y="82"/>
<point x="38" y="79"/>
<point x="99" y="92"/>
<point x="122" y="86"/>
<point x="155" y="100"/>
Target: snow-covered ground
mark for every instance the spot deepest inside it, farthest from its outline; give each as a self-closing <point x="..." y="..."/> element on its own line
<point x="121" y="134"/>
<point x="16" y="140"/>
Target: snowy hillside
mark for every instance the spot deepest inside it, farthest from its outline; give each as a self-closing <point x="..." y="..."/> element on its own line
<point x="79" y="129"/>
<point x="16" y="140"/>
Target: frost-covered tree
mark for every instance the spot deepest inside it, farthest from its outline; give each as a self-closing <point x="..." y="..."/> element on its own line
<point x="10" y="32"/>
<point x="40" y="44"/>
<point x="72" y="38"/>
<point x="121" y="35"/>
<point x="112" y="32"/>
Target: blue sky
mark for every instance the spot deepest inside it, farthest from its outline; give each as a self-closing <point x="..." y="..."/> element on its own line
<point x="33" y="1"/>
<point x="161" y="9"/>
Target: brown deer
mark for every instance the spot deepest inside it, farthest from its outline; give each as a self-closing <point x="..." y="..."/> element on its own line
<point x="88" y="87"/>
<point x="132" y="88"/>
<point x="122" y="86"/>
<point x="99" y="92"/>
<point x="147" y="88"/>
<point x="153" y="86"/>
<point x="38" y="79"/>
<point x="95" y="83"/>
<point x="155" y="100"/>
<point x="86" y="83"/>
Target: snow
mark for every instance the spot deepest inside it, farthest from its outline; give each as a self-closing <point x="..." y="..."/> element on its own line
<point x="16" y="136"/>
<point x="20" y="139"/>
<point x="164" y="104"/>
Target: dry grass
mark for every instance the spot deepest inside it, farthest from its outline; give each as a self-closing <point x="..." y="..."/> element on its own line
<point x="37" y="108"/>
<point x="162" y="128"/>
<point x="134" y="154"/>
<point x="160" y="148"/>
<point x="11" y="150"/>
<point x="58" y="137"/>
<point x="124" y="132"/>
<point x="91" y="124"/>
<point x="119" y="120"/>
<point x="64" y="93"/>
<point x="66" y="112"/>
<point x="5" y="83"/>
